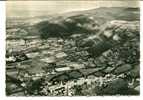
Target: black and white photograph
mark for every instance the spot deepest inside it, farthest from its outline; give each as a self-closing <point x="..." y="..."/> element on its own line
<point x="72" y="48"/>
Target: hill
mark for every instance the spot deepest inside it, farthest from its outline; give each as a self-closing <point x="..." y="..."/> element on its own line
<point x="88" y="21"/>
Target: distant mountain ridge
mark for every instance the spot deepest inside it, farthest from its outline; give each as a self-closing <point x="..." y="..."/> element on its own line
<point x="108" y="11"/>
<point x="85" y="21"/>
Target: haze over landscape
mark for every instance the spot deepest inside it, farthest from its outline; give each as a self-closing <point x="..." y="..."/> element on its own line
<point x="43" y="8"/>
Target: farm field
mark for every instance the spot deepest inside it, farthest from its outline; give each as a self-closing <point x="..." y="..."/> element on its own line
<point x="84" y="53"/>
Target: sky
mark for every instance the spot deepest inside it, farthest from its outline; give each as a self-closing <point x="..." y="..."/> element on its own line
<point x="42" y="8"/>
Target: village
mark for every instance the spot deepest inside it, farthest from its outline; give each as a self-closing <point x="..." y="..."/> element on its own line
<point x="73" y="56"/>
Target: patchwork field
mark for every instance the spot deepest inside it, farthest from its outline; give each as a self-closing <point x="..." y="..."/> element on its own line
<point x="84" y="53"/>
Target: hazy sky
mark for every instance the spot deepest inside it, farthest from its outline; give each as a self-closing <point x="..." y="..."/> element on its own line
<point x="39" y="8"/>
